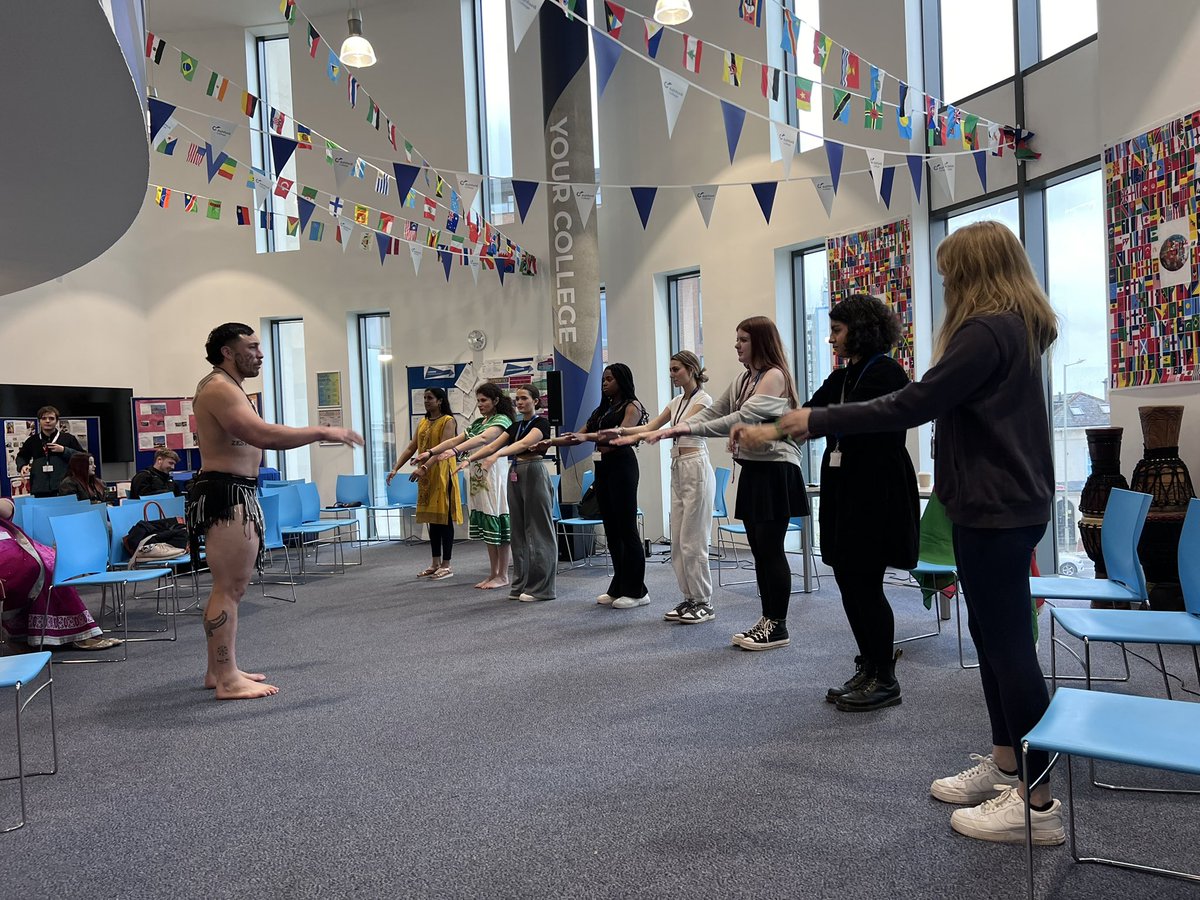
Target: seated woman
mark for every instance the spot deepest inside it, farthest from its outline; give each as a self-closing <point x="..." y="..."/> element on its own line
<point x="26" y="569"/>
<point x="81" y="480"/>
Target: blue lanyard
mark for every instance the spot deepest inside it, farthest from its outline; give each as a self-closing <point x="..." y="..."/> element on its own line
<point x="521" y="432"/>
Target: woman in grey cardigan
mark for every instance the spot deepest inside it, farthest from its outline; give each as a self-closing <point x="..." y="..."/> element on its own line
<point x="771" y="488"/>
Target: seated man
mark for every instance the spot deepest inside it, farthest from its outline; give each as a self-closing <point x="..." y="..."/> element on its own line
<point x="156" y="479"/>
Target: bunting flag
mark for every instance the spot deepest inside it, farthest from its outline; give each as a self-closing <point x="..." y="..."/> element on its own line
<point x="932" y="126"/>
<point x="849" y="69"/>
<point x="733" y="69"/>
<point x="306" y="209"/>
<point x="345" y="231"/>
<point x="446" y="258"/>
<point x="293" y="226"/>
<point x="390" y="128"/>
<point x="643" y="199"/>
<point x="674" y="91"/>
<point x="382" y="183"/>
<point x="902" y="103"/>
<point x="282" y="149"/>
<point x="916" y="168"/>
<point x="406" y="175"/>
<point x="804" y="89"/>
<point x="162" y="196"/>
<point x="430" y="209"/>
<point x="821" y="46"/>
<point x="875" y="164"/>
<point x="162" y="119"/>
<point x="614" y="18"/>
<point x="217" y="86"/>
<point x="585" y="201"/>
<point x="523" y="192"/>
<point x="287" y="9"/>
<point x="214" y="163"/>
<point x="309" y="193"/>
<point x="167" y="145"/>
<point x="692" y="50"/>
<point x="283" y="187"/>
<point x="342" y="165"/>
<point x="770" y="82"/>
<point x="220" y="132"/>
<point x="788" y="42"/>
<point x="944" y="166"/>
<point x="266" y="220"/>
<point x="841" y="106"/>
<point x="335" y="67"/>
<point x="373" y="115"/>
<point x="314" y="41"/>
<point x="416" y="253"/>
<point x="953" y="124"/>
<point x="787" y="137"/>
<point x="764" y="192"/>
<point x="352" y="91"/>
<point x="243" y="215"/>
<point x="981" y="167"/>
<point x="608" y="54"/>
<point x="187" y="66"/>
<point x="432" y="238"/>
<point x="826" y="190"/>
<point x="154" y="48"/>
<point x="706" y="196"/>
<point x="303" y="137"/>
<point x="214" y="209"/>
<point x="750" y="12"/>
<point x="361" y="215"/>
<point x="834" y="152"/>
<point x="523" y="14"/>
<point x="876" y="76"/>
<point x="885" y="186"/>
<point x="970" y="137"/>
<point x="735" y="118"/>
<point x="317" y="231"/>
<point x="335" y="207"/>
<point x="249" y="104"/>
<point x="872" y="116"/>
<point x="408" y="151"/>
<point x="903" y="123"/>
<point x="386" y="221"/>
<point x="410" y="230"/>
<point x="384" y="242"/>
<point x="994" y="146"/>
<point x="468" y="188"/>
<point x="654" y="33"/>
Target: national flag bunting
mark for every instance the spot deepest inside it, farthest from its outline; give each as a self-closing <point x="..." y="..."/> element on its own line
<point x="382" y="183"/>
<point x="162" y="196"/>
<point x="654" y="33"/>
<point x="303" y="137"/>
<point x="821" y="46"/>
<point x="352" y="91"/>
<point x="953" y="124"/>
<point x="187" y="66"/>
<point x="214" y="209"/>
<point x="189" y="203"/>
<point x="452" y="222"/>
<point x="154" y="48"/>
<point x="249" y="104"/>
<point x="872" y="116"/>
<point x="287" y="9"/>
<point x="283" y="187"/>
<point x="614" y="18"/>
<point x="770" y="82"/>
<point x="692" y="49"/>
<point x="841" y="106"/>
<point x="373" y="115"/>
<point x="278" y="120"/>
<point x="335" y="206"/>
<point x="430" y="209"/>
<point x="314" y="41"/>
<point x="850" y="66"/>
<point x="196" y="155"/>
<point x="308" y="193"/>
<point x="293" y="226"/>
<point x="228" y="167"/>
<point x="316" y="231"/>
<point x="167" y="145"/>
<point x="804" y="89"/>
<point x="361" y="214"/>
<point x="386" y="221"/>
<point x="410" y="231"/>
<point x="750" y="12"/>
<point x="391" y="132"/>
<point x="335" y="66"/>
<point x="217" y="86"/>
<point x="970" y="139"/>
<point x="790" y="27"/>
<point x="733" y="69"/>
<point x="876" y="76"/>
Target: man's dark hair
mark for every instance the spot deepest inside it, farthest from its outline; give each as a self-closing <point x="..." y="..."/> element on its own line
<point x="871" y="326"/>
<point x="220" y="337"/>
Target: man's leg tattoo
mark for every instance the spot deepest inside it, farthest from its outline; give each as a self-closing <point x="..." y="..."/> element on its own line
<point x="222" y="653"/>
<point x="211" y="625"/>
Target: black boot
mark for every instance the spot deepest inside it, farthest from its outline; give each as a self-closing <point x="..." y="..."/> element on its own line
<point x="880" y="690"/>
<point x="862" y="672"/>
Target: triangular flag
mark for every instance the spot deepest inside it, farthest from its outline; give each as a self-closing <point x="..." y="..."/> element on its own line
<point x="787" y="145"/>
<point x="384" y="242"/>
<point x="981" y="167"/>
<point x="885" y="186"/>
<point x="706" y="196"/>
<point x="834" y="152"/>
<point x="674" y="90"/>
<point x="826" y="191"/>
<point x="500" y="270"/>
<point x="764" y="192"/>
<point x="160" y="116"/>
<point x="735" y="118"/>
<point x="608" y="54"/>
<point x="875" y="161"/>
<point x="654" y="33"/>
<point x="281" y="151"/>
<point x="220" y="131"/>
<point x="916" y="168"/>
<point x="944" y="165"/>
<point x="343" y="168"/>
<point x="473" y="262"/>
<point x="445" y="256"/>
<point x="468" y="187"/>
<point x="306" y="210"/>
<point x="416" y="253"/>
<point x="345" y="230"/>
<point x="405" y="176"/>
<point x="643" y="198"/>
<point x="523" y="14"/>
<point x="213" y="161"/>
<point x="523" y="191"/>
<point x="585" y="199"/>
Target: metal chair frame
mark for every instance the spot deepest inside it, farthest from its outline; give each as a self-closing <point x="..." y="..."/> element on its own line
<point x="29" y="660"/>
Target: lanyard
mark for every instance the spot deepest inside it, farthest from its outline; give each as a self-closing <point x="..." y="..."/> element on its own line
<point x="743" y="394"/>
<point x="521" y="432"/>
<point x="684" y="405"/>
<point x="837" y="438"/>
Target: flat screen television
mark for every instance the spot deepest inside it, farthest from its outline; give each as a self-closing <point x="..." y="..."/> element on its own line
<point x="113" y="406"/>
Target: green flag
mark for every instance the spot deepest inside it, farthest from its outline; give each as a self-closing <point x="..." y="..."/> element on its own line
<point x="214" y="209"/>
<point x="187" y="66"/>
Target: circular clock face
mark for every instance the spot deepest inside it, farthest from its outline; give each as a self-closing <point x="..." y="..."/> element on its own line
<point x="476" y="340"/>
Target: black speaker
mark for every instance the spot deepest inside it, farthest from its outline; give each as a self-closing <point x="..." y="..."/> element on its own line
<point x="554" y="398"/>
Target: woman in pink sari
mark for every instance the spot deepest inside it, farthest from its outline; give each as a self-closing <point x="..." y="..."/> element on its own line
<point x="26" y="569"/>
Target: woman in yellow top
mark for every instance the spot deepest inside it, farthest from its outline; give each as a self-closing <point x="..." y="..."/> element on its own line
<point x="438" y="503"/>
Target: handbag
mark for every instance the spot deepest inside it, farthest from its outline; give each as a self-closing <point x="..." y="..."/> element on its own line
<point x="589" y="503"/>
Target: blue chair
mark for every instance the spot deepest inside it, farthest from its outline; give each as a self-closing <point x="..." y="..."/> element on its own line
<point x="171" y="505"/>
<point x="273" y="540"/>
<point x="1139" y="731"/>
<point x="732" y="530"/>
<point x="350" y="490"/>
<point x="121" y="519"/>
<point x="37" y="518"/>
<point x="17" y="672"/>
<point x="22" y="506"/>
<point x="294" y="526"/>
<point x="720" y="508"/>
<point x="1124" y="515"/>
<point x="561" y="525"/>
<point x="401" y="498"/>
<point x="82" y="561"/>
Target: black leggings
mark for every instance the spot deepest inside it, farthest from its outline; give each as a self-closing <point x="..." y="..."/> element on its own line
<point x="771" y="568"/>
<point x="616" y="487"/>
<point x="441" y="540"/>
<point x="867" y="609"/>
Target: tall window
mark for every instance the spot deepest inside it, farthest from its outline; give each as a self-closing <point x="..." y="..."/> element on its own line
<point x="814" y="362"/>
<point x="809" y="121"/>
<point x="289" y="385"/>
<point x="977" y="45"/>
<point x="495" y="119"/>
<point x="1063" y="23"/>
<point x="603" y="324"/>
<point x="379" y="428"/>
<point x="1006" y="212"/>
<point x="274" y="85"/>
<point x="683" y="296"/>
<point x="1077" y="282"/>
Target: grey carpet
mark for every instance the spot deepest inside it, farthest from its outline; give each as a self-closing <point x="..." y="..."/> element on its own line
<point x="432" y="740"/>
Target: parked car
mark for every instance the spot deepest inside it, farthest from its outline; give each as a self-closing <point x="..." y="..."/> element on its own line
<point x="1076" y="564"/>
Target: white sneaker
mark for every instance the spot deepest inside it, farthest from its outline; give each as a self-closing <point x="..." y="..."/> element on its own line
<point x="1002" y="819"/>
<point x="605" y="599"/>
<point x="630" y="602"/>
<point x="527" y="598"/>
<point x="973" y="785"/>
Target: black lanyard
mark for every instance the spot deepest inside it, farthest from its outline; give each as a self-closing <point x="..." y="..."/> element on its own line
<point x="837" y="438"/>
<point x="683" y="406"/>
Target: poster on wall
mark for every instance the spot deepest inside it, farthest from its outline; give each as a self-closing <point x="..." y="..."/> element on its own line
<point x="329" y="389"/>
<point x="1173" y="251"/>
<point x="168" y="424"/>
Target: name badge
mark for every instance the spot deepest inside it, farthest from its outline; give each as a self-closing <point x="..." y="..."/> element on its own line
<point x="48" y="468"/>
<point x="835" y="459"/>
<point x="512" y="474"/>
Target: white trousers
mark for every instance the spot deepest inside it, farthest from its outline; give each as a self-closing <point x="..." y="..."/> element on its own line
<point x="693" y="487"/>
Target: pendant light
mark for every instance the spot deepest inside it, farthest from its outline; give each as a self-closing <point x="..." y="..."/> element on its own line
<point x="357" y="51"/>
<point x="672" y="12"/>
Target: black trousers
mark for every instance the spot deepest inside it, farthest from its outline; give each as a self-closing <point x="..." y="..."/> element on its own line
<point x="867" y="609"/>
<point x="441" y="541"/>
<point x="993" y="566"/>
<point x="771" y="568"/>
<point x="616" y="485"/>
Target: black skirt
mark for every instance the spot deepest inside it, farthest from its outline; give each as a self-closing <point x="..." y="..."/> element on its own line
<point x="770" y="491"/>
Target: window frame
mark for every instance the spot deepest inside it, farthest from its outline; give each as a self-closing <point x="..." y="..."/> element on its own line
<point x="386" y="401"/>
<point x="673" y="282"/>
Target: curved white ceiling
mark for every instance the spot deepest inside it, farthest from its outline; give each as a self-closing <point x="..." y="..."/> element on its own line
<point x="74" y="160"/>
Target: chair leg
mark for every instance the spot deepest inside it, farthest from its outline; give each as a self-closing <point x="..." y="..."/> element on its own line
<point x="958" y="611"/>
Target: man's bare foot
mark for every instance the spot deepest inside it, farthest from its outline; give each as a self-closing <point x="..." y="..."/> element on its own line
<point x="244" y="689"/>
<point x="210" y="680"/>
<point x="494" y="582"/>
<point x="486" y="583"/>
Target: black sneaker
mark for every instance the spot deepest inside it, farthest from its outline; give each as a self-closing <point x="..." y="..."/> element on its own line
<point x="696" y="613"/>
<point x="672" y="615"/>
<point x="875" y="693"/>
<point x="766" y="635"/>
<point x="862" y="672"/>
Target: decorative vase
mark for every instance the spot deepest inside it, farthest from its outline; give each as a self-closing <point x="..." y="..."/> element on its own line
<point x="1164" y="476"/>
<point x="1104" y="451"/>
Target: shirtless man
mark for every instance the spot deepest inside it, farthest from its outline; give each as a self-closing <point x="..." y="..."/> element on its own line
<point x="222" y="499"/>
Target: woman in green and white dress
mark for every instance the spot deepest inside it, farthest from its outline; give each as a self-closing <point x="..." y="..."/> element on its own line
<point x="487" y="494"/>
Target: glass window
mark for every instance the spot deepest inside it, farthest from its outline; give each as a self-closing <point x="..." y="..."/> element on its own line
<point x="496" y="120"/>
<point x="275" y="93"/>
<point x="1077" y="282"/>
<point x="290" y="387"/>
<point x="810" y="278"/>
<point x="811" y="121"/>
<point x="977" y="46"/>
<point x="1064" y="22"/>
<point x="603" y="325"/>
<point x="1006" y="212"/>
<point x="683" y="294"/>
<point x="379" y="428"/>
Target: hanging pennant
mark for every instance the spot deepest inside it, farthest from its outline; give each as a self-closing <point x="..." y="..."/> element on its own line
<point x="446" y="258"/>
<point x="468" y="187"/>
<point x="786" y="135"/>
<point x="345" y="230"/>
<point x="406" y="175"/>
<point x="643" y="198"/>
<point x="306" y="209"/>
<point x="706" y="196"/>
<point x="219" y="133"/>
<point x="281" y="151"/>
<point x="764" y="192"/>
<point x="981" y="167"/>
<point x="608" y="54"/>
<point x="674" y="91"/>
<point x="654" y="33"/>
<point x="885" y="186"/>
<point x="384" y="242"/>
<point x="162" y="120"/>
<point x="916" y="168"/>
<point x="343" y="168"/>
<point x="735" y="118"/>
<point x="415" y="251"/>
<point x="826" y="190"/>
<point x="944" y="166"/>
<point x="614" y="18"/>
<point x="834" y="152"/>
<point x="523" y="14"/>
<point x="875" y="162"/>
<point x="524" y="191"/>
<point x="585" y="200"/>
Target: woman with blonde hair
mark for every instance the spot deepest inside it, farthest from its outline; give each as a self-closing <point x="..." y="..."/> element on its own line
<point x="995" y="475"/>
<point x="693" y="486"/>
<point x="770" y="487"/>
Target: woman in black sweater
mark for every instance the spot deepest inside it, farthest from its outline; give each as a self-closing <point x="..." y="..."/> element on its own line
<point x="869" y="510"/>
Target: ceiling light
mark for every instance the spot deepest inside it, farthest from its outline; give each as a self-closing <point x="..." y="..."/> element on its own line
<point x="356" y="49"/>
<point x="672" y="12"/>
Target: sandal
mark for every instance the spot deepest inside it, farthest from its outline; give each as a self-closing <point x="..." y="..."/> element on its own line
<point x="443" y="572"/>
<point x="432" y="570"/>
